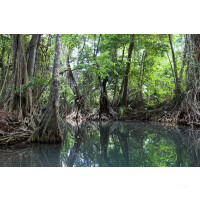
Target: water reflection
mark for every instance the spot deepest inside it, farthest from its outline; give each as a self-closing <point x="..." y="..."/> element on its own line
<point x="31" y="156"/>
<point x="111" y="144"/>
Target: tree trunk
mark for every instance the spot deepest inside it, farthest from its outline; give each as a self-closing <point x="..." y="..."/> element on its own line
<point x="122" y="84"/>
<point x="79" y="101"/>
<point x="196" y="40"/>
<point x="18" y="98"/>
<point x="142" y="69"/>
<point x="104" y="105"/>
<point x="195" y="76"/>
<point x="114" y="60"/>
<point x="183" y="59"/>
<point x="177" y="81"/>
<point x="115" y="91"/>
<point x="2" y="67"/>
<point x="49" y="127"/>
<point x="128" y="65"/>
<point x="33" y="46"/>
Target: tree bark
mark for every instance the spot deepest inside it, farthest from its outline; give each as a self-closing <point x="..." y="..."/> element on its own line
<point x="195" y="74"/>
<point x="177" y="81"/>
<point x="122" y="84"/>
<point x="79" y="101"/>
<point x="104" y="105"/>
<point x="114" y="60"/>
<point x="183" y="59"/>
<point x="49" y="127"/>
<point x="2" y="62"/>
<point x="33" y="47"/>
<point x="18" y="98"/>
<point x="142" y="69"/>
<point x="128" y="65"/>
<point x="196" y="40"/>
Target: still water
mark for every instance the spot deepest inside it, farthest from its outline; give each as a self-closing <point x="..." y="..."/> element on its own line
<point x="111" y="144"/>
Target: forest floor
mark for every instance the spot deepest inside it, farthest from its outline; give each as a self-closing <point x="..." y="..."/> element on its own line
<point x="167" y="112"/>
<point x="8" y="122"/>
<point x="12" y="130"/>
<point x="170" y="113"/>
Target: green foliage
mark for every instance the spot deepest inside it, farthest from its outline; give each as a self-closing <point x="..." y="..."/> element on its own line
<point x="94" y="57"/>
<point x="122" y="111"/>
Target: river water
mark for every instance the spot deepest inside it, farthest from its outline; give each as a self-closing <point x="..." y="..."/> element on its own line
<point x="111" y="144"/>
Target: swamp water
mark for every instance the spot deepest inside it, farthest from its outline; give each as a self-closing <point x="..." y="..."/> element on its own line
<point x="111" y="144"/>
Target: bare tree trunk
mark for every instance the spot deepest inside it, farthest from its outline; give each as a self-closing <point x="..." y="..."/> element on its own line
<point x="2" y="67"/>
<point x="114" y="60"/>
<point x="33" y="47"/>
<point x="122" y="84"/>
<point x="18" y="98"/>
<point x="104" y="105"/>
<point x="196" y="40"/>
<point x="183" y="59"/>
<point x="195" y="76"/>
<point x="49" y="127"/>
<point x="115" y="91"/>
<point x="128" y="65"/>
<point x="188" y="63"/>
<point x="177" y="81"/>
<point x="142" y="69"/>
<point x="79" y="101"/>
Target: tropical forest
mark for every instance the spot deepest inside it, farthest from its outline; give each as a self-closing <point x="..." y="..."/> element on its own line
<point x="99" y="100"/>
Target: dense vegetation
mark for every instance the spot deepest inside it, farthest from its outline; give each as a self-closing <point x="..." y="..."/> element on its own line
<point x="98" y="77"/>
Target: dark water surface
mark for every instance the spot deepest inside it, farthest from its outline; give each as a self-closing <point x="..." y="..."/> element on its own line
<point x="111" y="144"/>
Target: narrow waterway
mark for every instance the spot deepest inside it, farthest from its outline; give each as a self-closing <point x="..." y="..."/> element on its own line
<point x="111" y="144"/>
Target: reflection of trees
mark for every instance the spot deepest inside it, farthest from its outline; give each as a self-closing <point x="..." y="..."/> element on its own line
<point x="49" y="155"/>
<point x="124" y="144"/>
<point x="104" y="140"/>
<point x="168" y="141"/>
<point x="37" y="155"/>
<point x="184" y="139"/>
<point x="78" y="137"/>
<point x="78" y="147"/>
<point x="123" y="139"/>
<point x="112" y="144"/>
<point x="194" y="147"/>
